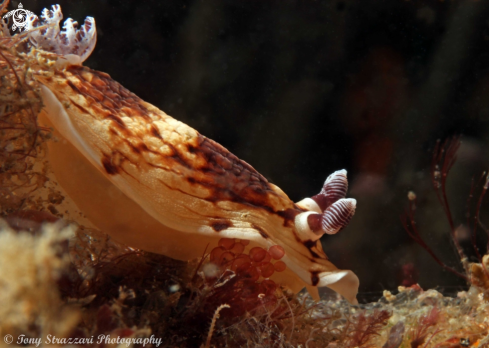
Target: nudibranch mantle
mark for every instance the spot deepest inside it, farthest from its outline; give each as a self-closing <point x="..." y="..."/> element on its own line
<point x="155" y="183"/>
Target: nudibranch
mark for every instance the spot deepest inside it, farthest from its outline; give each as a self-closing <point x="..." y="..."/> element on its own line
<point x="156" y="184"/>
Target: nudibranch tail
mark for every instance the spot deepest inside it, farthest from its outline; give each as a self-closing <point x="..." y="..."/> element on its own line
<point x="343" y="282"/>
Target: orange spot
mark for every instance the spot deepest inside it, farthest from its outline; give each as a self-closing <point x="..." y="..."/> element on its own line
<point x="225" y="258"/>
<point x="216" y="253"/>
<point x="227" y="243"/>
<point x="277" y="252"/>
<point x="237" y="249"/>
<point x="279" y="266"/>
<point x="245" y="242"/>
<point x="258" y="254"/>
<point x="239" y="261"/>
<point x="267" y="269"/>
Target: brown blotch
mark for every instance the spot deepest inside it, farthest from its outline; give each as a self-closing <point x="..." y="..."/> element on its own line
<point x="73" y="87"/>
<point x="117" y="120"/>
<point x="220" y="225"/>
<point x="178" y="157"/>
<point x="142" y="147"/>
<point x="134" y="148"/>
<point x="110" y="168"/>
<point x="309" y="244"/>
<point x="289" y="216"/>
<point x="314" y="278"/>
<point x="155" y="132"/>
<point x="260" y="230"/>
<point x="81" y="108"/>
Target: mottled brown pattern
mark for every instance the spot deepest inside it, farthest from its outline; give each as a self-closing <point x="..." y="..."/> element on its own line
<point x="155" y="132"/>
<point x="82" y="109"/>
<point x="117" y="121"/>
<point x="314" y="277"/>
<point x="289" y="216"/>
<point x="220" y="225"/>
<point x="310" y="244"/>
<point x="229" y="177"/>
<point x="104" y="90"/>
<point x="211" y="165"/>
<point x="260" y="230"/>
<point x="110" y="168"/>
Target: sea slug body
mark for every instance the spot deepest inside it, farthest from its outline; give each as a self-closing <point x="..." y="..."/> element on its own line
<point x="155" y="183"/>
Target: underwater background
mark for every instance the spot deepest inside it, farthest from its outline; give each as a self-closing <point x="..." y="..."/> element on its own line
<point x="299" y="89"/>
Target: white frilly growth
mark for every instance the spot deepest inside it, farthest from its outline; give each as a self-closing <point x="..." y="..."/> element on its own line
<point x="69" y="41"/>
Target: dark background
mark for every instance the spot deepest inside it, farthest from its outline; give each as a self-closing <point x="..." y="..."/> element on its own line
<point x="300" y="89"/>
